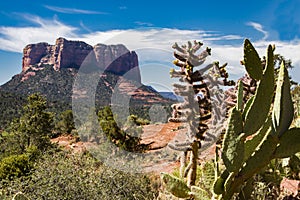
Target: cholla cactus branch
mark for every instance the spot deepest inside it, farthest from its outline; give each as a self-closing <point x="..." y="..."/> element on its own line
<point x="200" y="91"/>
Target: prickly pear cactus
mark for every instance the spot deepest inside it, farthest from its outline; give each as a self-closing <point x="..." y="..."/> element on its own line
<point x="259" y="130"/>
<point x="296" y="100"/>
<point x="262" y="99"/>
<point x="199" y="194"/>
<point x="283" y="109"/>
<point x="175" y="186"/>
<point x="252" y="61"/>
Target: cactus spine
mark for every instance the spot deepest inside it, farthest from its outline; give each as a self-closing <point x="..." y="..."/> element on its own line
<point x="271" y="136"/>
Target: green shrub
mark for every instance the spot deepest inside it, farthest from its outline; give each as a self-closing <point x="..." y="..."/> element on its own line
<point x="66" y="176"/>
<point x="65" y="123"/>
<point x="11" y="144"/>
<point x="14" y="166"/>
<point x="121" y="138"/>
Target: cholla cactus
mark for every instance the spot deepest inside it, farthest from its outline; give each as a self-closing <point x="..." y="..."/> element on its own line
<point x="202" y="100"/>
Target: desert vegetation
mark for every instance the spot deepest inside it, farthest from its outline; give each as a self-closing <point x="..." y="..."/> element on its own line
<point x="254" y="126"/>
<point x="259" y="132"/>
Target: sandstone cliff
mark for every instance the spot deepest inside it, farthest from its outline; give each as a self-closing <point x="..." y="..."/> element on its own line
<point x="71" y="54"/>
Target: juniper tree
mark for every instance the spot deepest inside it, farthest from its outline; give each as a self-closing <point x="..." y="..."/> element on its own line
<point x="36" y="124"/>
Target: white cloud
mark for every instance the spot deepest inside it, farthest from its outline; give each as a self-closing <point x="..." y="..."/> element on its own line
<point x="84" y="27"/>
<point x="259" y="28"/>
<point x="161" y="38"/>
<point x="45" y="30"/>
<point x="225" y="37"/>
<point x="156" y="41"/>
<point x="150" y="39"/>
<point x="143" y="23"/>
<point x="73" y="10"/>
<point x="16" y="38"/>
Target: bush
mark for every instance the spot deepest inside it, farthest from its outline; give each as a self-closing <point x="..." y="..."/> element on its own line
<point x="121" y="138"/>
<point x="11" y="144"/>
<point x="66" y="176"/>
<point x="66" y="122"/>
<point x="14" y="166"/>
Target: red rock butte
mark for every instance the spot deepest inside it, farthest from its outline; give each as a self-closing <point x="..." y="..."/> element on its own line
<point x="71" y="54"/>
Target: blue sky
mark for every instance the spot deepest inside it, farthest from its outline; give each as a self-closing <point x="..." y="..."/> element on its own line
<point x="150" y="28"/>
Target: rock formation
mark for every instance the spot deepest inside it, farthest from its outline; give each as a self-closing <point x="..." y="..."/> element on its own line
<point x="71" y="54"/>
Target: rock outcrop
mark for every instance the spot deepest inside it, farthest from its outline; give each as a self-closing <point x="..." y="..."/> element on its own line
<point x="71" y="54"/>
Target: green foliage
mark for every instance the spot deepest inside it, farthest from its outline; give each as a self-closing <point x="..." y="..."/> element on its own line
<point x="204" y="186"/>
<point x="240" y="101"/>
<point x="234" y="142"/>
<point x="219" y="185"/>
<point x="203" y="190"/>
<point x="2" y="196"/>
<point x="128" y="139"/>
<point x="31" y="129"/>
<point x="64" y="176"/>
<point x="10" y="107"/>
<point x="36" y="124"/>
<point x="266" y="184"/>
<point x="34" y="153"/>
<point x="14" y="166"/>
<point x="252" y="61"/>
<point x="254" y="138"/>
<point x="137" y="120"/>
<point x="57" y="87"/>
<point x="175" y="186"/>
<point x="288" y="144"/>
<point x="199" y="194"/>
<point x="283" y="108"/>
<point x="66" y="122"/>
<point x="262" y="99"/>
<point x="25" y="138"/>
<point x="11" y="143"/>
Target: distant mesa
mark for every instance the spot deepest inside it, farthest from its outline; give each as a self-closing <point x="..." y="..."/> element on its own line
<point x="51" y="70"/>
<point x="65" y="53"/>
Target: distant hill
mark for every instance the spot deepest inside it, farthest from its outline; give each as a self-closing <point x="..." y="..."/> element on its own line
<point x="167" y="95"/>
<point x="171" y="96"/>
<point x="55" y="82"/>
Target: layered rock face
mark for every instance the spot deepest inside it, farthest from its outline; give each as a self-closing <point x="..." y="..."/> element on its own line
<point x="71" y="54"/>
<point x="33" y="53"/>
